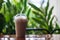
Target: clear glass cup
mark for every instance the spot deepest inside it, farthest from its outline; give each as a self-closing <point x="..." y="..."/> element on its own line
<point x="20" y="26"/>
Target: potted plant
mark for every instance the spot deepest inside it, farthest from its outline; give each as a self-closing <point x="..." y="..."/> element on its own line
<point x="44" y="18"/>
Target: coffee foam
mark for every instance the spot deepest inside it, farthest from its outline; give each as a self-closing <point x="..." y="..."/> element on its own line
<point x="18" y="16"/>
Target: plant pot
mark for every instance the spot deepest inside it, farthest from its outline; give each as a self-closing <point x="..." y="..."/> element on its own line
<point x="48" y="36"/>
<point x="40" y="37"/>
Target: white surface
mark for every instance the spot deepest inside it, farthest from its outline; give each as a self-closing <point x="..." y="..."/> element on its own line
<point x="35" y="38"/>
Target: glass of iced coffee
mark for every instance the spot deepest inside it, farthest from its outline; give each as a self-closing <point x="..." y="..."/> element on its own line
<point x="20" y="26"/>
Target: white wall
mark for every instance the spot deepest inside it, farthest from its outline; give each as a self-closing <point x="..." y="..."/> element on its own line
<point x="56" y="11"/>
<point x="38" y="2"/>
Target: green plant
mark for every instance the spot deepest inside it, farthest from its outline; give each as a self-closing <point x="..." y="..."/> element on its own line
<point x="1" y="1"/>
<point x="43" y="16"/>
<point x="2" y="22"/>
<point x="2" y="18"/>
<point x="9" y="10"/>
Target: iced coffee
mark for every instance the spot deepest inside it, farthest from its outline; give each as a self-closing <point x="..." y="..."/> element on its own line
<point x="20" y="26"/>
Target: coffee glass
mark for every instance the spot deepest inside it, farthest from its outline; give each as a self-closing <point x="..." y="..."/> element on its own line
<point x="20" y="26"/>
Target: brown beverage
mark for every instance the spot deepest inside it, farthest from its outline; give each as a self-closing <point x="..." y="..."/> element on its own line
<point x="20" y="26"/>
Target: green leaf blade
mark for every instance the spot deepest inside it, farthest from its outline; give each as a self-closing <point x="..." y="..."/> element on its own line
<point x="40" y="22"/>
<point x="46" y="8"/>
<point x="50" y="13"/>
<point x="28" y="13"/>
<point x="51" y="25"/>
<point x="33" y="6"/>
<point x="40" y="15"/>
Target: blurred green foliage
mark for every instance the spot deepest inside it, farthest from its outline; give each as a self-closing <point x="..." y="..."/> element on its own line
<point x="44" y="18"/>
<point x="2" y="22"/>
<point x="9" y="10"/>
<point x="1" y="1"/>
<point x="37" y="17"/>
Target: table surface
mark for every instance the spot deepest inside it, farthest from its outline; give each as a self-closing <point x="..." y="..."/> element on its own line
<point x="54" y="37"/>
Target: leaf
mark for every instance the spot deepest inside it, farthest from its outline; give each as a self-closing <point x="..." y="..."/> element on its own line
<point x="14" y="10"/>
<point x="21" y="1"/>
<point x="4" y="9"/>
<point x="51" y="25"/>
<point x="46" y="8"/>
<point x="40" y="22"/>
<point x="57" y="26"/>
<point x="58" y="29"/>
<point x="50" y="13"/>
<point x="36" y="8"/>
<point x="0" y="6"/>
<point x="8" y="4"/>
<point x="2" y="22"/>
<point x="39" y="14"/>
<point x="25" y="6"/>
<point x="1" y="1"/>
<point x="7" y="17"/>
<point x="51" y="20"/>
<point x="28" y="13"/>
